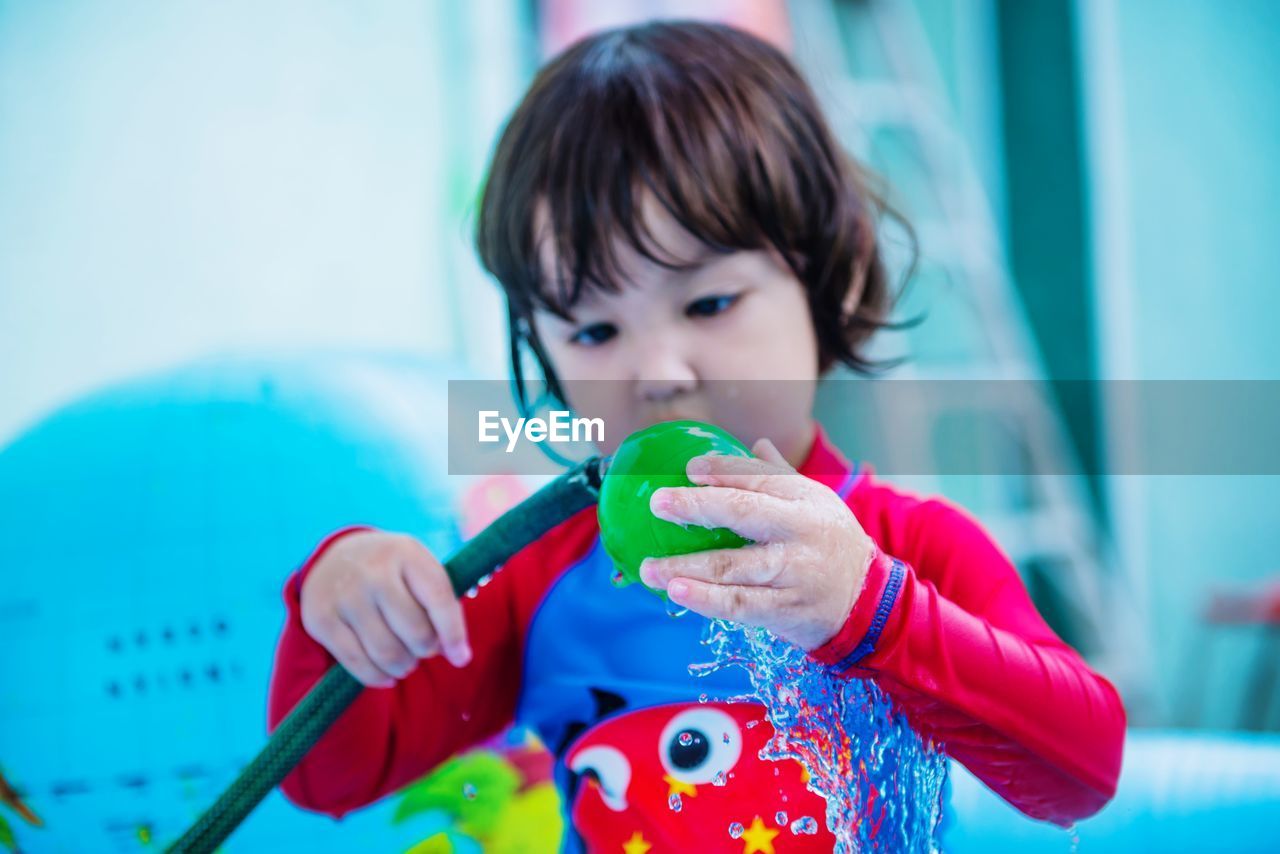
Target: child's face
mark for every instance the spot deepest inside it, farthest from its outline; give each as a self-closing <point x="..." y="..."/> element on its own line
<point x="730" y="342"/>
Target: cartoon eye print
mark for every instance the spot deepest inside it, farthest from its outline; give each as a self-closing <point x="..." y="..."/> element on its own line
<point x="610" y="769"/>
<point x="697" y="744"/>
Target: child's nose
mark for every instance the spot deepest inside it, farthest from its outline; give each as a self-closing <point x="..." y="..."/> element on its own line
<point x="664" y="372"/>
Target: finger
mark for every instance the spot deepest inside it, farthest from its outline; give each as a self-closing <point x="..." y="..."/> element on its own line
<point x="342" y="642"/>
<point x="379" y="642"/>
<point x="739" y="603"/>
<point x="766" y="450"/>
<point x="755" y="475"/>
<point x="429" y="584"/>
<point x="753" y="515"/>
<point x="407" y="618"/>
<point x="756" y="565"/>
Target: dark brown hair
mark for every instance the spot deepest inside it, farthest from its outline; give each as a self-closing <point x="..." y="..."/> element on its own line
<point x="726" y="135"/>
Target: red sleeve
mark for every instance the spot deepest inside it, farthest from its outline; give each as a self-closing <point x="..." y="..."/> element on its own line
<point x="946" y="627"/>
<point x="392" y="736"/>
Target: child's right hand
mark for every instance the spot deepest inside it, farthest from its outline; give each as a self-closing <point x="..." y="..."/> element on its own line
<point x="379" y="602"/>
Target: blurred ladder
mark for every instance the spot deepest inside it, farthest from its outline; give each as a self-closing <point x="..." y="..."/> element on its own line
<point x="1049" y="526"/>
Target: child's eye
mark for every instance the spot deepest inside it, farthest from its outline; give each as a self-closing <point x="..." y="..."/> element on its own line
<point x="712" y="305"/>
<point x="594" y="335"/>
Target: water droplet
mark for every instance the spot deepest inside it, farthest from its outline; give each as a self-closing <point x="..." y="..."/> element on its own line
<point x="686" y="739"/>
<point x="781" y="818"/>
<point x="618" y="579"/>
<point x="736" y="829"/>
<point x="674" y="802"/>
<point x="674" y="610"/>
<point x="804" y="825"/>
<point x="752" y="724"/>
<point x="718" y="779"/>
<point x="725" y="738"/>
<point x="702" y="698"/>
<point x="469" y="791"/>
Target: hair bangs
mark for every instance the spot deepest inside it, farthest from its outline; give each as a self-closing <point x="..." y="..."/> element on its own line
<point x="640" y="136"/>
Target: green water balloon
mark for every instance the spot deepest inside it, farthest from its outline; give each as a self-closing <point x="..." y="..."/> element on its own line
<point x="648" y="460"/>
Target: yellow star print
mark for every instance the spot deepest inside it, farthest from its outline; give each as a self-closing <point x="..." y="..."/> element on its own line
<point x="679" y="786"/>
<point x="758" y="839"/>
<point x="636" y="844"/>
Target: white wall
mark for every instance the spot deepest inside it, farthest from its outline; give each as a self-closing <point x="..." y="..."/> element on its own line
<point x="184" y="178"/>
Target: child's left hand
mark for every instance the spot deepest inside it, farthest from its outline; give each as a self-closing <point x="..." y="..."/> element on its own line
<point x="798" y="579"/>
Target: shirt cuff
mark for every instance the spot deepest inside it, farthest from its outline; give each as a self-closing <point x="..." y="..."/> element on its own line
<point x="861" y="631"/>
<point x="293" y="586"/>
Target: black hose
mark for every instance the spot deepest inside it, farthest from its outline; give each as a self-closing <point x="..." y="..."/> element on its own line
<point x="569" y="493"/>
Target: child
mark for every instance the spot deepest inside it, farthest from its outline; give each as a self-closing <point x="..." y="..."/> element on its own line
<point x="668" y="212"/>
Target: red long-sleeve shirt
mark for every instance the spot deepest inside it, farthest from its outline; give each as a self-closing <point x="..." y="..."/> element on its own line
<point x="943" y="623"/>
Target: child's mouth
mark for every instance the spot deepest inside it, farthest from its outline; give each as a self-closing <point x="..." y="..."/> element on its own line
<point x="659" y="416"/>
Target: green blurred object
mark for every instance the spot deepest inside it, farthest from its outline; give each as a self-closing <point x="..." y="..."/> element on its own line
<point x="648" y="460"/>
<point x="473" y="788"/>
<point x="491" y="807"/>
<point x="7" y="839"/>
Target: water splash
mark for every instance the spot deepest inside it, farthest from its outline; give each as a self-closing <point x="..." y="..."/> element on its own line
<point x="805" y="825"/>
<point x="882" y="783"/>
<point x="674" y="610"/>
